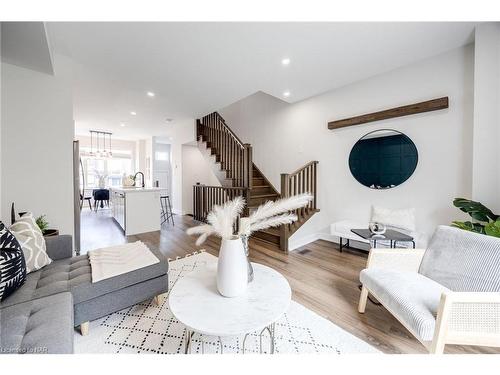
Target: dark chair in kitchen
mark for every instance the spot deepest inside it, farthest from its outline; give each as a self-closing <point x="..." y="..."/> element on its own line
<point x="166" y="209"/>
<point x="82" y="199"/>
<point x="100" y="196"/>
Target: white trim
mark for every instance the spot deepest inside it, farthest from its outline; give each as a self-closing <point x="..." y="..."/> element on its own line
<point x="294" y="244"/>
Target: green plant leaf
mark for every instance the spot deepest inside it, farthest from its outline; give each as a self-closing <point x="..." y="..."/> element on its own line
<point x="476" y="210"/>
<point x="42" y="223"/>
<point x="467" y="225"/>
<point x="493" y="228"/>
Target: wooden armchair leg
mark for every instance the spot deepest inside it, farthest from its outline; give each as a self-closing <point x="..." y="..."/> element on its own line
<point x="437" y="347"/>
<point x="84" y="328"/>
<point x="362" y="300"/>
<point x="439" y="339"/>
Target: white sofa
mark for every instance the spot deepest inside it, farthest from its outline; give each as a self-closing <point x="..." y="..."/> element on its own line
<point x="446" y="294"/>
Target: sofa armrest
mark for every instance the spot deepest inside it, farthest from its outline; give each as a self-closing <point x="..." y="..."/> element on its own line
<point x="468" y="318"/>
<point x="59" y="247"/>
<point x="406" y="260"/>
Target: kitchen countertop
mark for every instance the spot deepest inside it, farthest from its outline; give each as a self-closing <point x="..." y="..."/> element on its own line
<point x="134" y="189"/>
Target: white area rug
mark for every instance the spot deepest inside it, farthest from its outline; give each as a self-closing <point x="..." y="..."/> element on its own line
<point x="146" y="328"/>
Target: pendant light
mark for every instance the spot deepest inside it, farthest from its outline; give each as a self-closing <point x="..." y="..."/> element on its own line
<point x="104" y="153"/>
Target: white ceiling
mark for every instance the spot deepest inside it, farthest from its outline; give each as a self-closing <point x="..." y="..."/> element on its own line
<point x="196" y="68"/>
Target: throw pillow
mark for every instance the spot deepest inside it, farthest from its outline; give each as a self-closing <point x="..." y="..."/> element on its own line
<point x="399" y="219"/>
<point x="12" y="264"/>
<point x="32" y="242"/>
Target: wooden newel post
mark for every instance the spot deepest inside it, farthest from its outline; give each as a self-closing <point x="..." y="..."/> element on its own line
<point x="247" y="165"/>
<point x="285" y="185"/>
<point x="198" y="129"/>
<point x="285" y="189"/>
<point x="246" y="211"/>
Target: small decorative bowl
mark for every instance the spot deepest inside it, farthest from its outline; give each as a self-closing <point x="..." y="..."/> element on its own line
<point x="377" y="228"/>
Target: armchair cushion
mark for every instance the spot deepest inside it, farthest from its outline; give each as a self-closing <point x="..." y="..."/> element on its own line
<point x="463" y="261"/>
<point x="411" y="297"/>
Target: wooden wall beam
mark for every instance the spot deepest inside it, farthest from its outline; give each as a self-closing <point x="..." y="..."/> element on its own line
<point x="427" y="106"/>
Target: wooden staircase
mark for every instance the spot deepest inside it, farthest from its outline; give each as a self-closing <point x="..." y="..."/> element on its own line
<point x="232" y="164"/>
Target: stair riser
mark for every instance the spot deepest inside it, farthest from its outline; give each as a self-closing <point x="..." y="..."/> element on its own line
<point x="267" y="237"/>
<point x="258" y="182"/>
<point x="258" y="201"/>
<point x="260" y="190"/>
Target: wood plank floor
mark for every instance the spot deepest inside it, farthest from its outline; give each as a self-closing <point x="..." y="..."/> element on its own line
<point x="322" y="279"/>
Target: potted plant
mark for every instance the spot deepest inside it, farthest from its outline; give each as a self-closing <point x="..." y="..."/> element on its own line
<point x="43" y="224"/>
<point x="484" y="220"/>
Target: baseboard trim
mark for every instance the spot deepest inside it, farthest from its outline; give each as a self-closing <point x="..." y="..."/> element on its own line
<point x="303" y="241"/>
<point x="295" y="244"/>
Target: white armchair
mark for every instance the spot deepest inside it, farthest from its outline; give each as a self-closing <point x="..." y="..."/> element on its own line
<point x="447" y="294"/>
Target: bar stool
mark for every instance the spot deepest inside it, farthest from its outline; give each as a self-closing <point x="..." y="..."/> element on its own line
<point x="166" y="209"/>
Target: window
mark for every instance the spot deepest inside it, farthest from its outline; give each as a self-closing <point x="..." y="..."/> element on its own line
<point x="161" y="156"/>
<point x="111" y="170"/>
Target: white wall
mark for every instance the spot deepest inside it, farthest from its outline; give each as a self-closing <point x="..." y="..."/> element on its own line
<point x="486" y="157"/>
<point x="36" y="143"/>
<point x="1" y="216"/>
<point x="179" y="133"/>
<point x="195" y="169"/>
<point x="285" y="137"/>
<point x="140" y="164"/>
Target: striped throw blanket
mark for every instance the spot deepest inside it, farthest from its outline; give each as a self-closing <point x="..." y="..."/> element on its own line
<point x="116" y="260"/>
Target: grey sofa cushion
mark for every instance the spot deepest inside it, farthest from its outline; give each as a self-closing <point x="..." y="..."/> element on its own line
<point x="410" y="296"/>
<point x="59" y="247"/>
<point x="43" y="325"/>
<point x="463" y="261"/>
<point x="74" y="275"/>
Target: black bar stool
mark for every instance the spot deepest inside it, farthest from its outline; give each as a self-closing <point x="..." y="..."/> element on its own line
<point x="166" y="209"/>
<point x="100" y="195"/>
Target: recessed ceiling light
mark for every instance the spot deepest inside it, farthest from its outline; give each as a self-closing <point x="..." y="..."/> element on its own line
<point x="286" y="94"/>
<point x="133" y="113"/>
<point x="285" y="61"/>
<point x="122" y="124"/>
<point x="151" y="94"/>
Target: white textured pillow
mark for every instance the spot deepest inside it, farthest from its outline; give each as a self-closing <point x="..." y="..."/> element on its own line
<point x="32" y="242"/>
<point x="402" y="218"/>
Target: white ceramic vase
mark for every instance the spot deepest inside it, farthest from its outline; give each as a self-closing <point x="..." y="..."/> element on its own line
<point x="232" y="268"/>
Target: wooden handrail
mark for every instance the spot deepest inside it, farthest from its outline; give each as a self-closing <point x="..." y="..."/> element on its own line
<point x="304" y="167"/>
<point x="234" y="155"/>
<point x="230" y="130"/>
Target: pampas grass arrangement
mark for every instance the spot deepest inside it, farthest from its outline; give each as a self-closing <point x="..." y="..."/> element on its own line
<point x="221" y="219"/>
<point x="274" y="214"/>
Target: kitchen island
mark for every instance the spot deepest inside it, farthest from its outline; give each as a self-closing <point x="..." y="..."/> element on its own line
<point x="136" y="209"/>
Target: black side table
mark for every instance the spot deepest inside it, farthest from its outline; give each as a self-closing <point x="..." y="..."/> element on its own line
<point x="393" y="236"/>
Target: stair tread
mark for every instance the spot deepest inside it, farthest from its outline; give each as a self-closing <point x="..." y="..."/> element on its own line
<point x="273" y="231"/>
<point x="275" y="245"/>
<point x="264" y="195"/>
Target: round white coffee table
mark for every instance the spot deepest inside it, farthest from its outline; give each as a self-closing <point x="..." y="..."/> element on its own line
<point x="195" y="301"/>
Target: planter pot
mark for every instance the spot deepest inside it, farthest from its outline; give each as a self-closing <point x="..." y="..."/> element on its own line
<point x="50" y="232"/>
<point x="232" y="268"/>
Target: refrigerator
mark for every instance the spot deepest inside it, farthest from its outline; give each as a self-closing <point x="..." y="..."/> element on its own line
<point x="77" y="172"/>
